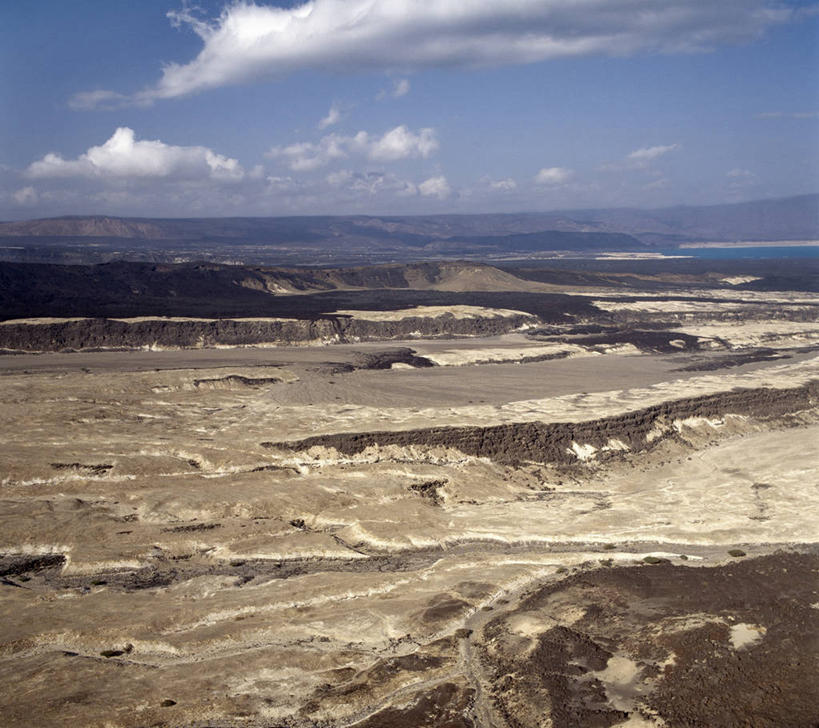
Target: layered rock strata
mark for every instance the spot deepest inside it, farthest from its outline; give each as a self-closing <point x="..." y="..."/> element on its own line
<point x="565" y="443"/>
<point x="102" y="333"/>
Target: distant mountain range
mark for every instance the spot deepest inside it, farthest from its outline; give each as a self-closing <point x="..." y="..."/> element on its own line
<point x="793" y="218"/>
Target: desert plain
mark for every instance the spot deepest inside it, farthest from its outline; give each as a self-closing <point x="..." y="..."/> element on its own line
<point x="445" y="511"/>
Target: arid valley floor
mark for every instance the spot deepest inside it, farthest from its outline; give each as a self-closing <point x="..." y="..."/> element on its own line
<point x="496" y="499"/>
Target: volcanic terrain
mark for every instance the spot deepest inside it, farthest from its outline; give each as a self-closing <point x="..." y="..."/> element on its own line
<point x="442" y="495"/>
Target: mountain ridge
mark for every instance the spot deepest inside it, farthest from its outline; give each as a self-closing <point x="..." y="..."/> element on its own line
<point x="779" y="219"/>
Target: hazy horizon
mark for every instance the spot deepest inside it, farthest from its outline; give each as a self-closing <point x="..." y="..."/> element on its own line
<point x="561" y="211"/>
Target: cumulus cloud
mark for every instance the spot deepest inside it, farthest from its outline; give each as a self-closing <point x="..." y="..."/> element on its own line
<point x="503" y="185"/>
<point x="400" y="87"/>
<point x="123" y="156"/>
<point x="398" y="143"/>
<point x="339" y="178"/>
<point x="259" y="192"/>
<point x="248" y="41"/>
<point x="26" y="196"/>
<point x="309" y="156"/>
<point x="435" y="187"/>
<point x="282" y="184"/>
<point x="487" y="184"/>
<point x="649" y="154"/>
<point x="640" y="159"/>
<point x="553" y="176"/>
<point x="333" y="117"/>
<point x="371" y="183"/>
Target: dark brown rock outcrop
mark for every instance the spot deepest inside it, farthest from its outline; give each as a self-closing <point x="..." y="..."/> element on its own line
<point x="674" y="622"/>
<point x="99" y="333"/>
<point x="552" y="442"/>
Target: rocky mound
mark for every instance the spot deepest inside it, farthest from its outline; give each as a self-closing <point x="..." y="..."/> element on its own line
<point x="566" y="443"/>
<point x="720" y="647"/>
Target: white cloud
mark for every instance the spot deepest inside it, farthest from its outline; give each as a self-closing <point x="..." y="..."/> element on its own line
<point x="553" y="176"/>
<point x="26" y="196"/>
<point x="649" y="154"/>
<point x="401" y="88"/>
<point x="100" y="99"/>
<point x="397" y="143"/>
<point x="640" y="159"/>
<point x="333" y="117"/>
<point x="281" y="184"/>
<point x="309" y="156"/>
<point x="249" y="41"/>
<point x="435" y="187"/>
<point x="339" y="178"/>
<point x="400" y="143"/>
<point x="503" y="185"/>
<point x="122" y="156"/>
<point x="490" y="184"/>
<point x="371" y="183"/>
<point x="271" y="192"/>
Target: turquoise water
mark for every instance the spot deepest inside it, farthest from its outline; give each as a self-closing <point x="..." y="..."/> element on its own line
<point x="767" y="251"/>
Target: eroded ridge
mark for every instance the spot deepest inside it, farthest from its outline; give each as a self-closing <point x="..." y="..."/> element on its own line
<point x="164" y="332"/>
<point x="565" y="443"/>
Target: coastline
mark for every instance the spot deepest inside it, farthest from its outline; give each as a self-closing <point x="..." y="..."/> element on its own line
<point x="754" y="244"/>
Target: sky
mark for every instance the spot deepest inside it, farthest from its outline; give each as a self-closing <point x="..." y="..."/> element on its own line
<point x="165" y="108"/>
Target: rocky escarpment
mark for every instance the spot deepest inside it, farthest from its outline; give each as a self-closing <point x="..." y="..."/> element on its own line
<point x="564" y="443"/>
<point x="98" y="333"/>
<point x="631" y="311"/>
<point x="77" y="334"/>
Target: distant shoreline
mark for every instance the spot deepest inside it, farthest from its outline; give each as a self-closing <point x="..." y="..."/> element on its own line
<point x="755" y="244"/>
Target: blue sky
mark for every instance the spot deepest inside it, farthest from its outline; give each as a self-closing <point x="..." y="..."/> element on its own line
<point x="160" y="108"/>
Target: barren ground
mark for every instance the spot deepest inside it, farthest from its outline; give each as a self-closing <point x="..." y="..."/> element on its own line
<point x="347" y="535"/>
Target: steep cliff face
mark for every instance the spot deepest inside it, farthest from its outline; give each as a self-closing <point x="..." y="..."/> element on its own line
<point x="720" y="312"/>
<point x="74" y="335"/>
<point x="566" y="443"/>
<point x="78" y="334"/>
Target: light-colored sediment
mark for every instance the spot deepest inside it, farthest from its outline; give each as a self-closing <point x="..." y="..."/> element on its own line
<point x="458" y="312"/>
<point x="252" y="586"/>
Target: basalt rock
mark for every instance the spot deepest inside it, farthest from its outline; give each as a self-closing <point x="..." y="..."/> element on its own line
<point x="516" y="443"/>
<point x="103" y="333"/>
<point x="673" y="624"/>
